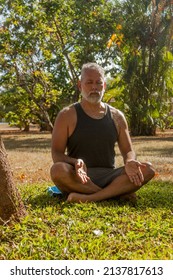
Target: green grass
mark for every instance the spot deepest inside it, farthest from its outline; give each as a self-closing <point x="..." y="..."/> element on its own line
<point x="55" y="229"/>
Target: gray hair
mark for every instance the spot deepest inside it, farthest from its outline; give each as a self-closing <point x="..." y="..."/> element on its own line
<point x="92" y="66"/>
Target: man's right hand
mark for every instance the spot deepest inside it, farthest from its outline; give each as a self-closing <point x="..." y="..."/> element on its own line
<point x="81" y="171"/>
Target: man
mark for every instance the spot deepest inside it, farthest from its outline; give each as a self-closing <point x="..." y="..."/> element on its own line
<point x="83" y="142"/>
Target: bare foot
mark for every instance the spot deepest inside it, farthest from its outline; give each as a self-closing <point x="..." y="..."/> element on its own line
<point x="132" y="197"/>
<point x="77" y="197"/>
<point x="82" y="198"/>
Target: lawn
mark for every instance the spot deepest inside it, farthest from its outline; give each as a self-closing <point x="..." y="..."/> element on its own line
<point x="55" y="229"/>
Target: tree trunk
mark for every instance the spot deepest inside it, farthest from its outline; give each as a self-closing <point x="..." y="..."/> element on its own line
<point x="11" y="205"/>
<point x="26" y="127"/>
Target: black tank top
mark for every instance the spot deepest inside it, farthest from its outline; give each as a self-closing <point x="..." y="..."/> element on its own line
<point x="93" y="140"/>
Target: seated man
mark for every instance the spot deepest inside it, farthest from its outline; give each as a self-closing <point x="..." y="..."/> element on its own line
<point x="88" y="131"/>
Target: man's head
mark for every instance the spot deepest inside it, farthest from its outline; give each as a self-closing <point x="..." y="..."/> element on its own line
<point x="92" y="66"/>
<point x="92" y="84"/>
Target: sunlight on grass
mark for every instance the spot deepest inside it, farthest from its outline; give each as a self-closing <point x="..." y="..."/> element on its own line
<point x="54" y="229"/>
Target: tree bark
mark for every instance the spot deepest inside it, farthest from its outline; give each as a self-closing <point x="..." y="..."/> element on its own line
<point x="11" y="205"/>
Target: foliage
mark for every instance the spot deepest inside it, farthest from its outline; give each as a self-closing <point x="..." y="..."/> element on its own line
<point x="114" y="93"/>
<point x="24" y="76"/>
<point x="114" y="230"/>
<point x="43" y="45"/>
<point x="145" y="44"/>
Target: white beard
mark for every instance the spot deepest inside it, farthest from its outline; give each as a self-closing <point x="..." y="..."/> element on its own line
<point x="93" y="97"/>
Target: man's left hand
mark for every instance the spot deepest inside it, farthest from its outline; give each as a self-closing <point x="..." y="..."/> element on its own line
<point x="133" y="171"/>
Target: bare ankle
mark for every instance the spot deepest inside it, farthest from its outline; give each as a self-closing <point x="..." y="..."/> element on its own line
<point x="77" y="197"/>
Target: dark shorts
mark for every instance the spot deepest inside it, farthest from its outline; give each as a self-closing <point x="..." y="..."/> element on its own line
<point x="104" y="176"/>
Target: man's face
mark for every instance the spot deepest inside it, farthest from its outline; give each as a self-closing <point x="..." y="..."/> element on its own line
<point x="92" y="86"/>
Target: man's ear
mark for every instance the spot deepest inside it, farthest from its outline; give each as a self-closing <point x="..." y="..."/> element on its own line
<point x="79" y="85"/>
<point x="104" y="85"/>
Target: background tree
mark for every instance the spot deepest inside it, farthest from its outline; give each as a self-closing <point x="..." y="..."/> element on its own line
<point x="43" y="45"/>
<point x="146" y="33"/>
<point x="23" y="76"/>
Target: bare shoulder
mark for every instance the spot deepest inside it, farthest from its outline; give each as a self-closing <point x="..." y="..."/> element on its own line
<point x="66" y="115"/>
<point x="66" y="112"/>
<point x="118" y="118"/>
<point x="65" y="122"/>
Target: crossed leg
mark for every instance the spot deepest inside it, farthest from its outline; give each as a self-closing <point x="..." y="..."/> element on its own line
<point x="63" y="175"/>
<point x="120" y="186"/>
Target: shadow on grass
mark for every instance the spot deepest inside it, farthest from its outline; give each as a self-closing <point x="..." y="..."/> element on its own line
<point x="160" y="149"/>
<point x="31" y="144"/>
<point x="38" y="141"/>
<point x="157" y="195"/>
<point x="153" y="195"/>
<point x="43" y="200"/>
<point x="152" y="138"/>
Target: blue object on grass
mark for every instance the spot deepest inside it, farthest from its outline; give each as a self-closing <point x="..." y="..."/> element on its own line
<point x="53" y="191"/>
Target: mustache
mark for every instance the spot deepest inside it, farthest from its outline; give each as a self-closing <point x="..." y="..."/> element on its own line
<point x="94" y="92"/>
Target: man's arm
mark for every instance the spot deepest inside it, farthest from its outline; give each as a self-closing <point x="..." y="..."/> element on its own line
<point x="64" y="123"/>
<point x="60" y="136"/>
<point x="132" y="166"/>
